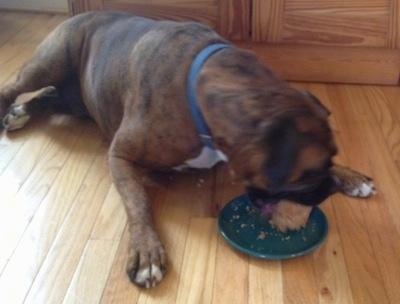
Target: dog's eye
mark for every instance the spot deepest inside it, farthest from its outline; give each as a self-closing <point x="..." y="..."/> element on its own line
<point x="316" y="173"/>
<point x="311" y="179"/>
<point x="313" y="174"/>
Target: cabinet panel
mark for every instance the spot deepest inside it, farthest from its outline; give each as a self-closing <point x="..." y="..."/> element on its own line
<point x="234" y="19"/>
<point x="323" y="22"/>
<point x="267" y="18"/>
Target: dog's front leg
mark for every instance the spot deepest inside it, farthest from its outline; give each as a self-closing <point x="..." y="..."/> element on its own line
<point x="292" y="216"/>
<point x="147" y="258"/>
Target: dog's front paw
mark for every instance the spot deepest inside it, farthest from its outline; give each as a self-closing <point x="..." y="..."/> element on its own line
<point x="16" y="118"/>
<point x="361" y="186"/>
<point x="290" y="216"/>
<point x="146" y="265"/>
<point x="353" y="183"/>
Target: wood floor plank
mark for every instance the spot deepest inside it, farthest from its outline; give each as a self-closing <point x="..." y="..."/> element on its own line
<point x="266" y="283"/>
<point x="329" y="264"/>
<point x="231" y="284"/>
<point x="47" y="154"/>
<point x="111" y="221"/>
<point x="300" y="284"/>
<point x="63" y="257"/>
<point x="118" y="289"/>
<point x="13" y="23"/>
<point x="36" y="29"/>
<point x="365" y="277"/>
<point x="375" y="134"/>
<point x="386" y="118"/>
<point x="331" y="273"/>
<point x="29" y="176"/>
<point x="391" y="97"/>
<point x="198" y="268"/>
<point x="381" y="212"/>
<point x="11" y="67"/>
<point x="33" y="247"/>
<point x="330" y="267"/>
<point x="18" y="42"/>
<point x="7" y="153"/>
<point x="10" y="230"/>
<point x="91" y="275"/>
<point x="22" y="164"/>
<point x="33" y="168"/>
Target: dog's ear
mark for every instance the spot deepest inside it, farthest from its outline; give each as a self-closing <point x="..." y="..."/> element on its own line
<point x="316" y="105"/>
<point x="282" y="142"/>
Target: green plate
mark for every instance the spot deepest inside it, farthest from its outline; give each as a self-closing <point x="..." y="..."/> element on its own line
<point x="243" y="228"/>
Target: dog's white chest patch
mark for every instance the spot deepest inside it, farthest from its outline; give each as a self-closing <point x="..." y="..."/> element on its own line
<point x="208" y="158"/>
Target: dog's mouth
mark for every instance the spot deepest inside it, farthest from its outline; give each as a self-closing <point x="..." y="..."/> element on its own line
<point x="310" y="196"/>
<point x="262" y="200"/>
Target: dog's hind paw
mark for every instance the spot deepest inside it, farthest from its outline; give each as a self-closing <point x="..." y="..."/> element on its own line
<point x="16" y="118"/>
<point x="147" y="269"/>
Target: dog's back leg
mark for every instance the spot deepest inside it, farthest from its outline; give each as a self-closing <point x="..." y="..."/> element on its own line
<point x="18" y="115"/>
<point x="66" y="99"/>
<point x="50" y="65"/>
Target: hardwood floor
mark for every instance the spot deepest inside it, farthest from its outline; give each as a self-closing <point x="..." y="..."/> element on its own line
<point x="63" y="236"/>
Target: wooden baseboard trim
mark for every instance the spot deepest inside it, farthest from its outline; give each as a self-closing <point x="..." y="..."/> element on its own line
<point x="356" y="65"/>
<point x="35" y="11"/>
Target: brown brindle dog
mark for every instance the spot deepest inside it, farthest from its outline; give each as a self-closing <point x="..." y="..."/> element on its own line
<point x="130" y="74"/>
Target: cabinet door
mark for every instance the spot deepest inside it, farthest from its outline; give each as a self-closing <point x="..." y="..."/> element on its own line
<point x="229" y="17"/>
<point x="327" y="22"/>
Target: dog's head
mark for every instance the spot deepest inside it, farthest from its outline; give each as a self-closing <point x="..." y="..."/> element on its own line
<point x="290" y="156"/>
<point x="277" y="138"/>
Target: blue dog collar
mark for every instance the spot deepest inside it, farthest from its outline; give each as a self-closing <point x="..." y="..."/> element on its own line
<point x="197" y="64"/>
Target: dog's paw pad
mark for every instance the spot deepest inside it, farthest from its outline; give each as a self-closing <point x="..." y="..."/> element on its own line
<point x="149" y="276"/>
<point x="16" y="118"/>
<point x="147" y="268"/>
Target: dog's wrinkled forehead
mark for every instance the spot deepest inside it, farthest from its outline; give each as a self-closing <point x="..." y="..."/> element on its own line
<point x="293" y="154"/>
<point x="311" y="197"/>
<point x="297" y="144"/>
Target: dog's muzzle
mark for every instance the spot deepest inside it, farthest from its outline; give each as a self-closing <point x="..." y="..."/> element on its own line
<point x="311" y="196"/>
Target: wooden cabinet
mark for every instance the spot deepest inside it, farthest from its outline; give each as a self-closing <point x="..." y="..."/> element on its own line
<point x="229" y="18"/>
<point x="352" y="41"/>
<point x="355" y="41"/>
